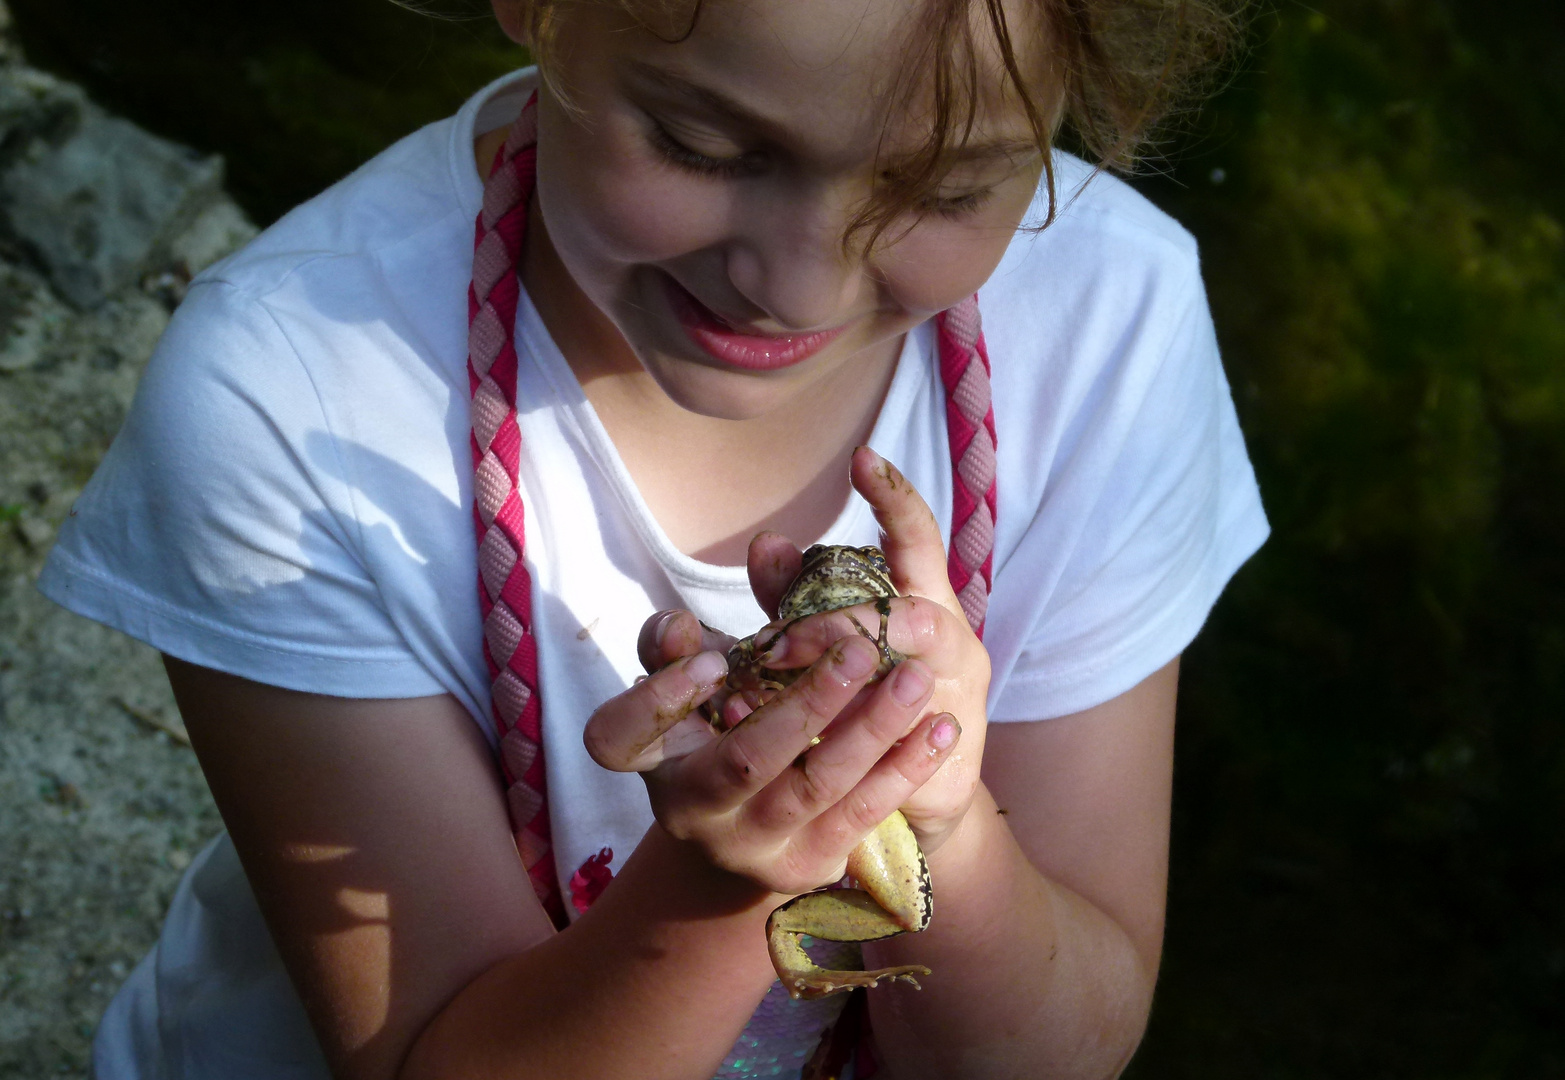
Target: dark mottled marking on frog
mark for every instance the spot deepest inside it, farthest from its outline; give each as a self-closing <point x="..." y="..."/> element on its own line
<point x="926" y="892"/>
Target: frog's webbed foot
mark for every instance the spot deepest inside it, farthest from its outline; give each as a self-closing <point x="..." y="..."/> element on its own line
<point x="836" y="915"/>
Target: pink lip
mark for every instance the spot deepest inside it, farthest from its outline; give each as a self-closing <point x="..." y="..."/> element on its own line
<point x="753" y="352"/>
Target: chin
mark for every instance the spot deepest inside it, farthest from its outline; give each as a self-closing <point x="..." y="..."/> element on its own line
<point x="719" y="394"/>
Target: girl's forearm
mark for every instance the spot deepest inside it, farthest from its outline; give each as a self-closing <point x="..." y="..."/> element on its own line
<point x="1030" y="979"/>
<point x="656" y="981"/>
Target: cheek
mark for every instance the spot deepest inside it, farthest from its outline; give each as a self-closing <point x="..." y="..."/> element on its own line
<point x="942" y="262"/>
<point x="940" y="265"/>
<point x="610" y="205"/>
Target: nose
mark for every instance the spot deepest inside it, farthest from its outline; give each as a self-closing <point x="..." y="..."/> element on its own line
<point x="788" y="259"/>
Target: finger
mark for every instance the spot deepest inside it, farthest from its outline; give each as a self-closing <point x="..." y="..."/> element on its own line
<point x="896" y="776"/>
<point x="735" y="709"/>
<point x="848" y="750"/>
<point x="916" y="626"/>
<point x="752" y="754"/>
<point x="910" y="535"/>
<point x="655" y="632"/>
<point x="625" y="733"/>
<point x="774" y="561"/>
<point x="670" y="635"/>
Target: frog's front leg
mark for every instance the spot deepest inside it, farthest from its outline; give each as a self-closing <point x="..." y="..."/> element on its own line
<point x="889" y="657"/>
<point x="895" y="898"/>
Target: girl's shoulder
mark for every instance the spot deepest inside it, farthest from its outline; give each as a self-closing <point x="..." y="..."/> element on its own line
<point x="1106" y="294"/>
<point x="407" y="213"/>
<point x="360" y="289"/>
<point x="1105" y="241"/>
<point x="1126" y="496"/>
<point x="1091" y="201"/>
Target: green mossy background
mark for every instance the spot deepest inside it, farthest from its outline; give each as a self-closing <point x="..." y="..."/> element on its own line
<point x="1369" y="869"/>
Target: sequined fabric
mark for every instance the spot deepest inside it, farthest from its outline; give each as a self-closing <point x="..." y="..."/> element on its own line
<point x="783" y="1033"/>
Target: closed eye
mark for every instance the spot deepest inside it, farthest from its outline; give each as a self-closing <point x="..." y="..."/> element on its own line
<point x="677" y="153"/>
<point x="958" y="206"/>
<point x="741" y="165"/>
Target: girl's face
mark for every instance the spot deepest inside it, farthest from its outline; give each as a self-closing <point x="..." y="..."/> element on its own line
<point x="698" y="192"/>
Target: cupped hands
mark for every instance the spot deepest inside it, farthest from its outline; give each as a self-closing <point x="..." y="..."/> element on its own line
<point x="784" y="794"/>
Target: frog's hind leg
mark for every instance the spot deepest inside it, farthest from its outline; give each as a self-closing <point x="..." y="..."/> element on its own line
<point x="835" y="915"/>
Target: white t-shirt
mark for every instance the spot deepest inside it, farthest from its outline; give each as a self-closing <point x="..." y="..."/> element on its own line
<point x="290" y="501"/>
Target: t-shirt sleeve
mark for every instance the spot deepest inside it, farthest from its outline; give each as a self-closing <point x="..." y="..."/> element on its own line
<point x="218" y="528"/>
<point x="1140" y="526"/>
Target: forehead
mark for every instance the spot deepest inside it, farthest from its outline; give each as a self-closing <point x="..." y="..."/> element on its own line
<point x="836" y="71"/>
<point x="840" y="43"/>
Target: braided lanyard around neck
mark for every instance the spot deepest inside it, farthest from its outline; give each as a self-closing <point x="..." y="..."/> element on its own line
<point x="505" y="586"/>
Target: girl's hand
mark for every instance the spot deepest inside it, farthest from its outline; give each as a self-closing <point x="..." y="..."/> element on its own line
<point x="926" y="624"/>
<point x="758" y="799"/>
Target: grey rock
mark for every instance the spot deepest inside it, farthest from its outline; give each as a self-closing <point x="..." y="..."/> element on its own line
<point x="34" y="531"/>
<point x="35" y="105"/>
<point x="97" y="209"/>
<point x="219" y="230"/>
<point x="30" y="317"/>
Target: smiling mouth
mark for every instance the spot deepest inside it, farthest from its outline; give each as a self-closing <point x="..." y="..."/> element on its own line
<point x="724" y="342"/>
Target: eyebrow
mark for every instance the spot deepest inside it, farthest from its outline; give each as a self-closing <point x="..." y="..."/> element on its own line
<point x="726" y="106"/>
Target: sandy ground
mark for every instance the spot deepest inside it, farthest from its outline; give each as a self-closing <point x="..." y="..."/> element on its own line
<point x="102" y="804"/>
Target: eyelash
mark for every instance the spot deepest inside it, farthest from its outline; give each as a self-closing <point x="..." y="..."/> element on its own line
<point x="680" y="155"/>
<point x="962" y="205"/>
<point x="677" y="153"/>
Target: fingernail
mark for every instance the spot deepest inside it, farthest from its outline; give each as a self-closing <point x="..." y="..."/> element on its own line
<point x="856" y="658"/>
<point x="944" y="732"/>
<point x="660" y="627"/>
<point x="735" y="709"/>
<point x="776" y="647"/>
<point x="910" y="682"/>
<point x="706" y="668"/>
<point x="879" y="464"/>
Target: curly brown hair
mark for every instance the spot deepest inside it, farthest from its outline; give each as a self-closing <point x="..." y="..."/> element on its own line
<point x="1112" y="75"/>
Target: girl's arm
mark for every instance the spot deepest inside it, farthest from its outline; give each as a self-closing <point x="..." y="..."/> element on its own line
<point x="1049" y="903"/>
<point x="374" y="835"/>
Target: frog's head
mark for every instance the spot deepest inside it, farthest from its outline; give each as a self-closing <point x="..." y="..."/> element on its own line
<point x="837" y="576"/>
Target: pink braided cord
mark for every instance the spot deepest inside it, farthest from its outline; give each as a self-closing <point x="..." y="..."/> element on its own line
<point x="505" y="586"/>
<point x="970" y="426"/>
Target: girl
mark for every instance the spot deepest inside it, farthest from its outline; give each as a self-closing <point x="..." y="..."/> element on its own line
<point x="719" y="246"/>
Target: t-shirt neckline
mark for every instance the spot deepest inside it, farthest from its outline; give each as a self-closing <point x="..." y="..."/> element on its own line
<point x="541" y="351"/>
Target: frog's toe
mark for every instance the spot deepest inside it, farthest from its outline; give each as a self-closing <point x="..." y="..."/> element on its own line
<point x="823" y="982"/>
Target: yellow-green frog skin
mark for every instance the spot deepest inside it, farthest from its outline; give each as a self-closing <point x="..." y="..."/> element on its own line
<point x="894" y="895"/>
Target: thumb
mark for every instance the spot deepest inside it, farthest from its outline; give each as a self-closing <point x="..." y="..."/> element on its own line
<point x="773" y="561"/>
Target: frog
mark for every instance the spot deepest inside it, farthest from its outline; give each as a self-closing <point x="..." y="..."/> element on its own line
<point x="893" y="894"/>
